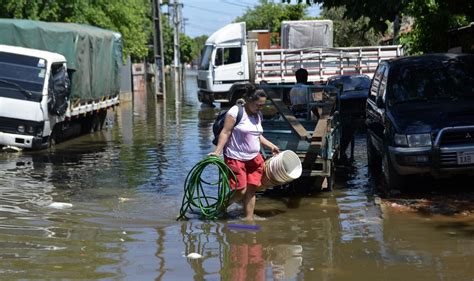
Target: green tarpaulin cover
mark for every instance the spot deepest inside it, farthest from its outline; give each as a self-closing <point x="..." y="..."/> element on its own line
<point x="93" y="53"/>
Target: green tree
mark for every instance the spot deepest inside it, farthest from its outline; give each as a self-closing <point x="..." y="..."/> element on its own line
<point x="432" y="18"/>
<point x="199" y="42"/>
<point x="186" y="46"/>
<point x="269" y="15"/>
<point x="348" y="32"/>
<point x="432" y="21"/>
<point x="129" y="17"/>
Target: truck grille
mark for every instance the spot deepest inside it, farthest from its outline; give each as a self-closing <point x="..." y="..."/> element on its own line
<point x="460" y="137"/>
<point x="202" y="84"/>
<point x="448" y="159"/>
<point x="454" y="140"/>
<point x="8" y="125"/>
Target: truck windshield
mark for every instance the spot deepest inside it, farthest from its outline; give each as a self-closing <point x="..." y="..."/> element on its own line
<point x="206" y="58"/>
<point x="450" y="79"/>
<point x="22" y="77"/>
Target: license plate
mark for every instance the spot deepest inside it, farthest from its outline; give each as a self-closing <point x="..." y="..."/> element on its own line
<point x="465" y="158"/>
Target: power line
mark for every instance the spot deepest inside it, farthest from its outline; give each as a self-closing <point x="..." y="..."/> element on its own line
<point x="200" y="28"/>
<point x="207" y="20"/>
<point x="208" y="10"/>
<point x="235" y="4"/>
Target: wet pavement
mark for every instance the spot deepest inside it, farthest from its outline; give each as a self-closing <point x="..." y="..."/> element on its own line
<point x="103" y="207"/>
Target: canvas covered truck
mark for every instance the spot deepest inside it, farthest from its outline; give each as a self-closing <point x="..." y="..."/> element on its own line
<point x="57" y="80"/>
<point x="230" y="59"/>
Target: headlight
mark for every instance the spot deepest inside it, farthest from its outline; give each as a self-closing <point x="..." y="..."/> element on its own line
<point x="413" y="140"/>
<point x="30" y="130"/>
<point x="401" y="140"/>
<point x="39" y="132"/>
<point x="21" y="129"/>
<point x="419" y="140"/>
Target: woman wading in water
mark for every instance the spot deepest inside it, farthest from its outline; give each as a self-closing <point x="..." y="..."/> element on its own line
<point x="241" y="146"/>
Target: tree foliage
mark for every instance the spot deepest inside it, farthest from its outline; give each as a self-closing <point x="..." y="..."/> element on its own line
<point x="186" y="46"/>
<point x="269" y="15"/>
<point x="199" y="42"/>
<point x="349" y="32"/>
<point x="129" y="17"/>
<point x="432" y="18"/>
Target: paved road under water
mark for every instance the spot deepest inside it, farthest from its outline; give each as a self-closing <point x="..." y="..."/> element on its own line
<point x="125" y="185"/>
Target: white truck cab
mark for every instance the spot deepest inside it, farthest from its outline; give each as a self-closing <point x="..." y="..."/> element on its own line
<point x="25" y="120"/>
<point x="224" y="62"/>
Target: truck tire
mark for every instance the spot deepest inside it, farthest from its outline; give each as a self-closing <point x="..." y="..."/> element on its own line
<point x="374" y="161"/>
<point x="54" y="137"/>
<point x="102" y="117"/>
<point x="392" y="179"/>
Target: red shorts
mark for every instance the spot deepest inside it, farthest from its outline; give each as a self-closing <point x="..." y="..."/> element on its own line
<point x="247" y="172"/>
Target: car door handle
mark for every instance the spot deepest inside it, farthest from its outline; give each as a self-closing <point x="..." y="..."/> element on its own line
<point x="240" y="73"/>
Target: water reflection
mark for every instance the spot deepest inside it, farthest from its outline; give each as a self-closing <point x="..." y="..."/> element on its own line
<point x="238" y="252"/>
<point x="125" y="185"/>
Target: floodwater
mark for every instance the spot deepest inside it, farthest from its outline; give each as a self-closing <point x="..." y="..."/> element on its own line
<point x="104" y="206"/>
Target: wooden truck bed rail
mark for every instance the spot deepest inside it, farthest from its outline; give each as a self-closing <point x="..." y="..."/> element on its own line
<point x="278" y="65"/>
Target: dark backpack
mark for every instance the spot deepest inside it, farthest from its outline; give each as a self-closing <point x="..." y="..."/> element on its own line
<point x="220" y="119"/>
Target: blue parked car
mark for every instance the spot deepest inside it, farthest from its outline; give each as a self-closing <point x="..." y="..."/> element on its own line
<point x="420" y="117"/>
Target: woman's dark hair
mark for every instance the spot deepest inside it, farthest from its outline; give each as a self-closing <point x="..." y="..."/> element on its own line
<point x="253" y="94"/>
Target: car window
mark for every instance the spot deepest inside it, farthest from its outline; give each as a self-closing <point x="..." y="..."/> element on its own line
<point x="431" y="80"/>
<point x="383" y="84"/>
<point x="232" y="55"/>
<point x="376" y="82"/>
<point x="226" y="56"/>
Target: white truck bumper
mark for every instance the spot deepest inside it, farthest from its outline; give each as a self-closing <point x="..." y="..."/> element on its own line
<point x="22" y="141"/>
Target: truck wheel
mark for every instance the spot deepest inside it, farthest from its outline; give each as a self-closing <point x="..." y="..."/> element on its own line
<point x="95" y="124"/>
<point x="392" y="179"/>
<point x="102" y="117"/>
<point x="373" y="159"/>
<point x="53" y="138"/>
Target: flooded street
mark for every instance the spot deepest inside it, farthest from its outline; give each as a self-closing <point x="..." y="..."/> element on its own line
<point x="103" y="207"/>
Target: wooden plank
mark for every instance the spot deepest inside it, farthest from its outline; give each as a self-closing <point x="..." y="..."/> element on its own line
<point x="320" y="130"/>
<point x="291" y="119"/>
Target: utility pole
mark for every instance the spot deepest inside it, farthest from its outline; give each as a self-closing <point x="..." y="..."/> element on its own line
<point x="178" y="71"/>
<point x="177" y="29"/>
<point x="160" y="87"/>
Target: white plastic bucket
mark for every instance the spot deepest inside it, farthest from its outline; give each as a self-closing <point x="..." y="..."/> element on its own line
<point x="281" y="168"/>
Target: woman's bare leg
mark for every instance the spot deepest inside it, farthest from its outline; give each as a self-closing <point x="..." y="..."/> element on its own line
<point x="249" y="202"/>
<point x="237" y="196"/>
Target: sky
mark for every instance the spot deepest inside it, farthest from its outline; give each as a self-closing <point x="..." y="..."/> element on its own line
<point x="206" y="16"/>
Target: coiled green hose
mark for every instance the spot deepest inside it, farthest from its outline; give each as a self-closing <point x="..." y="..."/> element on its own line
<point x="210" y="207"/>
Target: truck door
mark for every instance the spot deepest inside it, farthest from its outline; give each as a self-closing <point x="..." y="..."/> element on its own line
<point x="228" y="67"/>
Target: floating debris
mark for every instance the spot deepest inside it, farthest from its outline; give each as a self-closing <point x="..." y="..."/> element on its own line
<point x="60" y="205"/>
<point x="194" y="256"/>
<point x="243" y="227"/>
<point x="10" y="148"/>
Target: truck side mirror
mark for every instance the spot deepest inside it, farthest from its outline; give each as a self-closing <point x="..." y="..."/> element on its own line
<point x="379" y="102"/>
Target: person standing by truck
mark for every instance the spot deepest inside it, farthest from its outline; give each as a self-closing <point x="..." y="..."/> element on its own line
<point x="241" y="146"/>
<point x="301" y="96"/>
